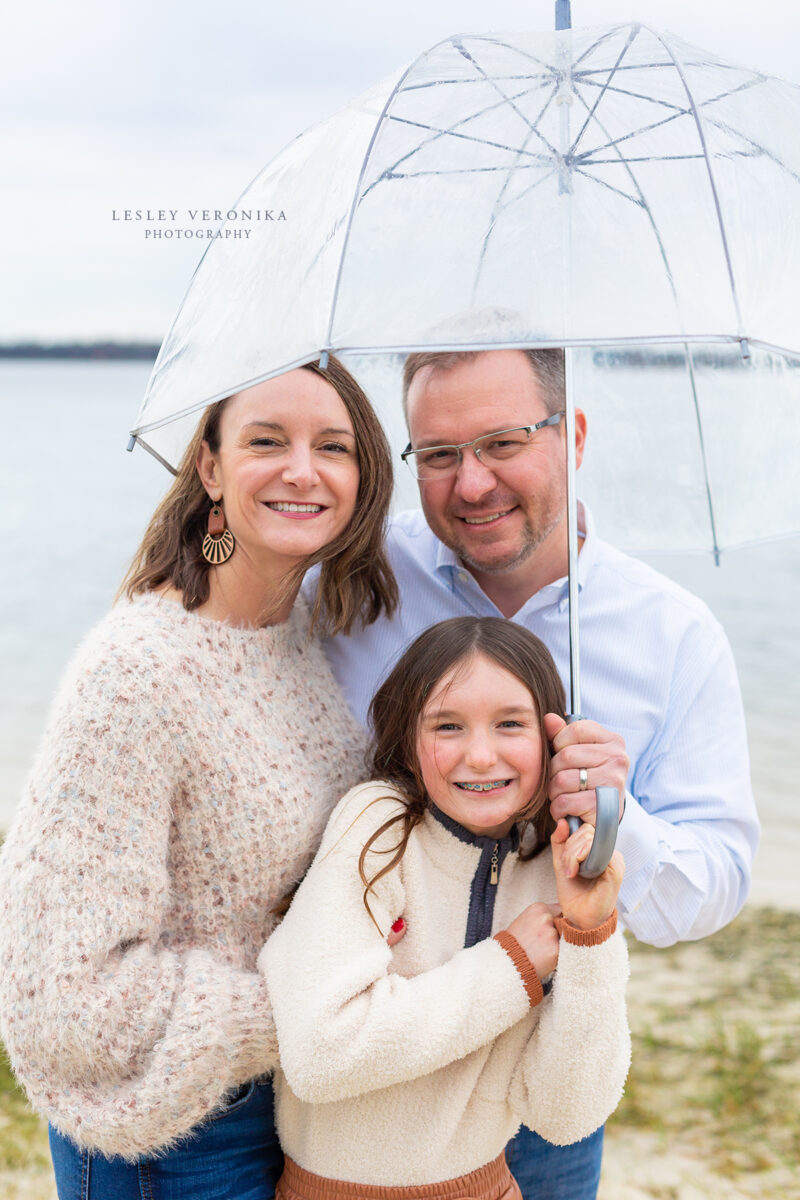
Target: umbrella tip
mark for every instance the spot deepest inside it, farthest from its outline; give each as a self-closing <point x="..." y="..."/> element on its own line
<point x="563" y="14"/>
<point x="131" y="442"/>
<point x="323" y="360"/>
<point x="744" y="346"/>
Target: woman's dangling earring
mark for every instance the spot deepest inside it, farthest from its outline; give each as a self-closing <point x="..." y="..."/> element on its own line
<point x="218" y="544"/>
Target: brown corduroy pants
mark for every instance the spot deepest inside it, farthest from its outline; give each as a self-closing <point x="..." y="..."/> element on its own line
<point x="492" y="1182"/>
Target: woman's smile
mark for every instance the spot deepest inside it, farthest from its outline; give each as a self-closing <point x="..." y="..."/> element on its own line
<point x="296" y="511"/>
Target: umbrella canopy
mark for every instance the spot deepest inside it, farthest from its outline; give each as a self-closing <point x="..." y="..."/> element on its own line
<point x="611" y="188"/>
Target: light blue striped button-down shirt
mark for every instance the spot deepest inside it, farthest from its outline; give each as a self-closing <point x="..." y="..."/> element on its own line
<point x="657" y="668"/>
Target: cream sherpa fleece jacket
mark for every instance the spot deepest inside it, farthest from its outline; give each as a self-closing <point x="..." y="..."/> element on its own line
<point x="182" y="788"/>
<point x="417" y="1064"/>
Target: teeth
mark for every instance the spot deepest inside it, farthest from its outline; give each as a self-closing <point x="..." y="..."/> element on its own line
<point x="485" y="520"/>
<point x="281" y="506"/>
<point x="483" y="787"/>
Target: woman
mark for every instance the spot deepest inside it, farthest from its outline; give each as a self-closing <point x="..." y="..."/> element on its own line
<point x="195" y="749"/>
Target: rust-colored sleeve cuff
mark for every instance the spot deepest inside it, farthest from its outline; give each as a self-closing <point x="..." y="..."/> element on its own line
<point x="532" y="982"/>
<point x="587" y="937"/>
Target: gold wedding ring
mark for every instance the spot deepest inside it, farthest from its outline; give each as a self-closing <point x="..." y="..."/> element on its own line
<point x="583" y="776"/>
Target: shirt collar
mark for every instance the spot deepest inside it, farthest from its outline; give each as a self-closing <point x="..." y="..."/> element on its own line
<point x="509" y="842"/>
<point x="448" y="563"/>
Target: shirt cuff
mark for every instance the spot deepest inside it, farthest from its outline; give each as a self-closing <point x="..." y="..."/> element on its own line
<point x="528" y="973"/>
<point x="587" y="937"/>
<point x="637" y="837"/>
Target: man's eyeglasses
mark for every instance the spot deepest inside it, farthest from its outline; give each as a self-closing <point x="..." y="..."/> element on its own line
<point x="492" y="449"/>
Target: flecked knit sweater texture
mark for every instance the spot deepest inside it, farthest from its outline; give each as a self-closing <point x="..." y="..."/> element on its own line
<point x="181" y="789"/>
<point x="417" y="1064"/>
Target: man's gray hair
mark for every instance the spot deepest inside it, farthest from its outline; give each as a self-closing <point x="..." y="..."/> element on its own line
<point x="547" y="365"/>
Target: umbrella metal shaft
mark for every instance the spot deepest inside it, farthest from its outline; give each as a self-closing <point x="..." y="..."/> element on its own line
<point x="572" y="544"/>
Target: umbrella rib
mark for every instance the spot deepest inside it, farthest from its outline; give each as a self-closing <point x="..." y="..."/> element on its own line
<point x="718" y="124"/>
<point x="424" y="85"/>
<point x="646" y="207"/>
<point x="239" y="386"/>
<point x="684" y="112"/>
<point x="704" y="460"/>
<point x="712" y="181"/>
<point x="637" y="200"/>
<point x="390" y="176"/>
<point x="498" y="209"/>
<point x="679" y="112"/>
<point x="451" y="133"/>
<point x="165" y="356"/>
<point x="743" y="87"/>
<point x="604" y="38"/>
<point x="357" y="190"/>
<point x="508" y="99"/>
<point x="529" y="57"/>
<point x="649" y="66"/>
<point x="620" y="91"/>
<point x="499" y="205"/>
<point x="632" y="34"/>
<point x="689" y="362"/>
<point x="640" y="158"/>
<point x="594" y="342"/>
<point x="526" y="54"/>
<point x="389" y="173"/>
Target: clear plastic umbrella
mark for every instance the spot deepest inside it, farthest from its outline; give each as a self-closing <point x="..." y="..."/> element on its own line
<point x="613" y="191"/>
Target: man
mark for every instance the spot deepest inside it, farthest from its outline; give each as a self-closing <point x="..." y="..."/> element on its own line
<point x="656" y="667"/>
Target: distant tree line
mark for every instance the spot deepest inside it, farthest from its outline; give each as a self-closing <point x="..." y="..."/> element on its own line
<point x="116" y="351"/>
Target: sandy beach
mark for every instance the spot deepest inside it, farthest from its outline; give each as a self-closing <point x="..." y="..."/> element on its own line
<point x="712" y="1099"/>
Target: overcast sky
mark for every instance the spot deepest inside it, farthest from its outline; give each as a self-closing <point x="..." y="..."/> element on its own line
<point x="172" y="106"/>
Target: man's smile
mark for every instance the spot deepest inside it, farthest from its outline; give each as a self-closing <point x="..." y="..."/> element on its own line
<point x="485" y="520"/>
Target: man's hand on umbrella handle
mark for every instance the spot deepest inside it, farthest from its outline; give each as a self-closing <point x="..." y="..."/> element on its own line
<point x="585" y="756"/>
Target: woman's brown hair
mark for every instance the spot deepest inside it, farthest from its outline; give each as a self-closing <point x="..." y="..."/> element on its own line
<point x="356" y="580"/>
<point x="398" y="704"/>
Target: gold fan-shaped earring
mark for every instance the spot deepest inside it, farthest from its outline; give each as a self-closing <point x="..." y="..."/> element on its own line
<point x="219" y="543"/>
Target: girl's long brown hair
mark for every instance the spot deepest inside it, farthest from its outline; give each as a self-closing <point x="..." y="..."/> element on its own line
<point x="398" y="704"/>
<point x="356" y="580"/>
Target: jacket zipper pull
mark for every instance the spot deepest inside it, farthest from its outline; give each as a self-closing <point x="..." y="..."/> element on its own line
<point x="493" y="875"/>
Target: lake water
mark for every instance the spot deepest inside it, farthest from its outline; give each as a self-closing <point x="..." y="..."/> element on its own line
<point x="75" y="505"/>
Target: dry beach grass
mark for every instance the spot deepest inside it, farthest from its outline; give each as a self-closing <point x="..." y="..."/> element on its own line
<point x="712" y="1102"/>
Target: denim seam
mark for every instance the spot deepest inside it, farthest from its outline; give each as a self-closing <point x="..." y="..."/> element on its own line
<point x="145" y="1181"/>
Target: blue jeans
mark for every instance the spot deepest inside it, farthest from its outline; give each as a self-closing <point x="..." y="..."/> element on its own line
<point x="233" y="1156"/>
<point x="547" y="1172"/>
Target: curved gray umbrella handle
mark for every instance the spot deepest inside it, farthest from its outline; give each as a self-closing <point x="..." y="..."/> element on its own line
<point x="605" y="832"/>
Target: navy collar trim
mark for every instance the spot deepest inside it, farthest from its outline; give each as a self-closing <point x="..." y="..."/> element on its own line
<point x="509" y="842"/>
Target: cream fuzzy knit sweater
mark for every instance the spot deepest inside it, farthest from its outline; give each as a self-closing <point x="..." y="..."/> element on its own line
<point x="417" y="1064"/>
<point x="182" y="788"/>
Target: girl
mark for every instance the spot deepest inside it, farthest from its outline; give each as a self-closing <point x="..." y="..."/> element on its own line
<point x="407" y="1069"/>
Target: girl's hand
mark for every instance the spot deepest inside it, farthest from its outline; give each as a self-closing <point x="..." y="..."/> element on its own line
<point x="585" y="903"/>
<point x="535" y="930"/>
